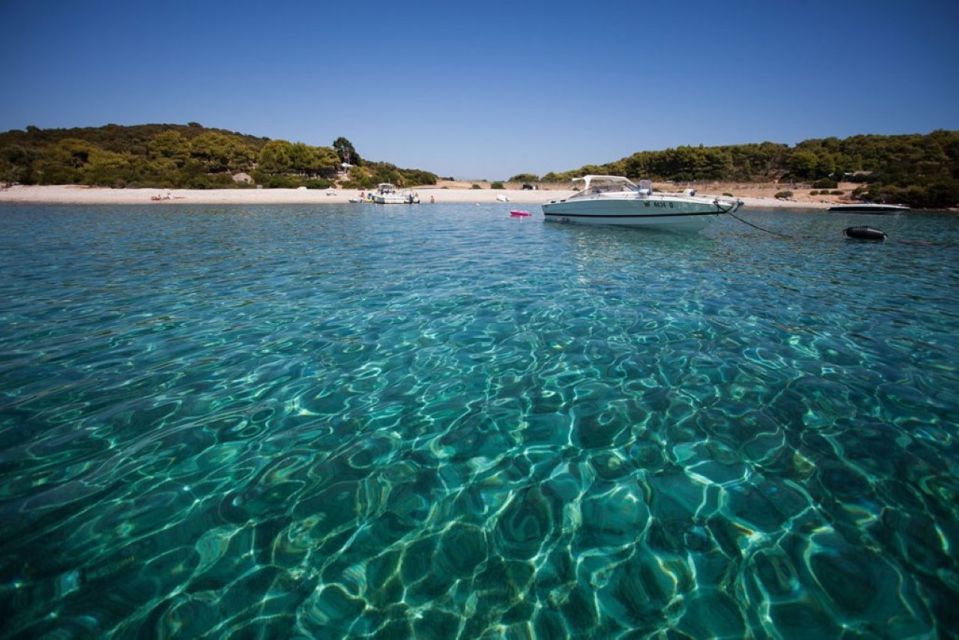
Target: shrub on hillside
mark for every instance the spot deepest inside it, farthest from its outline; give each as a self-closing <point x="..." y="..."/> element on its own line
<point x="208" y="181"/>
<point x="497" y="185"/>
<point x="783" y="195"/>
<point x="825" y="183"/>
<point x="475" y="186"/>
<point x="937" y="195"/>
<point x="277" y="181"/>
<point x="837" y="193"/>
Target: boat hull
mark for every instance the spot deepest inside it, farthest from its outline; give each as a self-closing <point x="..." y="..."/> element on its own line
<point x="391" y="199"/>
<point x="868" y="208"/>
<point x="647" y="213"/>
<point x="396" y="199"/>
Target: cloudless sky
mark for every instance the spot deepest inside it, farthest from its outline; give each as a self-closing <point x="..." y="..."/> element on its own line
<point x="487" y="90"/>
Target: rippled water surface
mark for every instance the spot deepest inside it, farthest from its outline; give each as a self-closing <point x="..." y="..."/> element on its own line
<point x="444" y="422"/>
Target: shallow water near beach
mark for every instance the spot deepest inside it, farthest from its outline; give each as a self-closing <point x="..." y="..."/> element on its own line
<point x="440" y="422"/>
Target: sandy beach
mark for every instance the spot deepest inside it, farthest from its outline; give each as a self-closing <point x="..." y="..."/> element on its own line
<point x="77" y="194"/>
<point x="758" y="196"/>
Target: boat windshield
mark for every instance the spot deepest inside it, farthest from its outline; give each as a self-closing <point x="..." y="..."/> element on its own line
<point x="595" y="185"/>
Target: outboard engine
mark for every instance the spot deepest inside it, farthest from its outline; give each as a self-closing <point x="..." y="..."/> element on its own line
<point x="864" y="233"/>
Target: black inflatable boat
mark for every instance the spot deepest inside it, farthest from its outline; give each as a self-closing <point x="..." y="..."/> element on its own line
<point x="864" y="233"/>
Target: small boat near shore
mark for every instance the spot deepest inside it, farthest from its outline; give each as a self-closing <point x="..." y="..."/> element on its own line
<point x="615" y="200"/>
<point x="386" y="193"/>
<point x="865" y="207"/>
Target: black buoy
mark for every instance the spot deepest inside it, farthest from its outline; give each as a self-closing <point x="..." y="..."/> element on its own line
<point x="864" y="233"/>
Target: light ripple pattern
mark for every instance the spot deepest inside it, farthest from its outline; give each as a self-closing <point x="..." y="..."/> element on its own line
<point x="442" y="422"/>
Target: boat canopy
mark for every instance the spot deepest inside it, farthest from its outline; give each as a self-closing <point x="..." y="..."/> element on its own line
<point x="605" y="183"/>
<point x="385" y="187"/>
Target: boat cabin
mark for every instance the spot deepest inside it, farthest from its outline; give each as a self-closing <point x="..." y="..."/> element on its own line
<point x="386" y="187"/>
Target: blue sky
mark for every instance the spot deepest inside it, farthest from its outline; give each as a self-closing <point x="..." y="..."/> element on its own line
<point x="487" y="90"/>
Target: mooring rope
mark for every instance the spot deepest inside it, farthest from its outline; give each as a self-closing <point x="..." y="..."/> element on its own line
<point x="729" y="212"/>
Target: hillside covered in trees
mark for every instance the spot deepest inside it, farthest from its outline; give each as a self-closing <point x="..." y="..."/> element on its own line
<point x="185" y="156"/>
<point x="920" y="170"/>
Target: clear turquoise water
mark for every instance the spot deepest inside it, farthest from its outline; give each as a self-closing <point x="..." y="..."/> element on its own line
<point x="444" y="422"/>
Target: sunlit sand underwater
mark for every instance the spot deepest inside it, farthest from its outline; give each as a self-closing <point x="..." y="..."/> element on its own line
<point x="442" y="422"/>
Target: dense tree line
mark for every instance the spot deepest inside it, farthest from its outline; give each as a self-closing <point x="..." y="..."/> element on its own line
<point x="187" y="156"/>
<point x="371" y="174"/>
<point x="920" y="170"/>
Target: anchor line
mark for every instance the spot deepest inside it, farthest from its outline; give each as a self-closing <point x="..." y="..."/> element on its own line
<point x="730" y="213"/>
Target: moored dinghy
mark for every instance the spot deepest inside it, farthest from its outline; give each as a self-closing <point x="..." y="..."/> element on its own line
<point x="864" y="233"/>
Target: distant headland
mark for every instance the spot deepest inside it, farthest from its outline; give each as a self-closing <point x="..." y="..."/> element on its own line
<point x="919" y="170"/>
<point x="190" y="156"/>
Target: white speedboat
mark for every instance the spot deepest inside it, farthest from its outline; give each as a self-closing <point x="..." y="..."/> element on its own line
<point x="386" y="193"/>
<point x="616" y="200"/>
